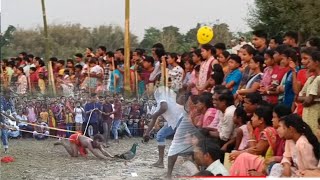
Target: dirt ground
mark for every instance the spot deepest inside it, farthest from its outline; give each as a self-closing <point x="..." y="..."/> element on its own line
<point x="41" y="160"/>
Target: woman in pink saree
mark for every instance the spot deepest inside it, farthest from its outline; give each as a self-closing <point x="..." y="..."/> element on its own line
<point x="262" y="144"/>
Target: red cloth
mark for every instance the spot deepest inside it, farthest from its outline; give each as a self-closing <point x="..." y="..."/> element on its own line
<point x="276" y="76"/>
<point x="74" y="139"/>
<point x="7" y="159"/>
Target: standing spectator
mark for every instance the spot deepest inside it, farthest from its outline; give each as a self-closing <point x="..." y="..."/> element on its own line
<point x="176" y="74"/>
<point x="79" y="59"/>
<point x="117" y="118"/>
<point x="78" y="116"/>
<point x="22" y="83"/>
<point x="92" y="115"/>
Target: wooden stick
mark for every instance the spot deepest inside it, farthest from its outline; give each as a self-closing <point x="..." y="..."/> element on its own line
<point x="114" y="77"/>
<point x="136" y="80"/>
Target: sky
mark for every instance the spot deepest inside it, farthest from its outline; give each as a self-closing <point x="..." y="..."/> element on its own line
<point x="184" y="14"/>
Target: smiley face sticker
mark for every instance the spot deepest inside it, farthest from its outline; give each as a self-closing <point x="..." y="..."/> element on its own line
<point x="205" y="34"/>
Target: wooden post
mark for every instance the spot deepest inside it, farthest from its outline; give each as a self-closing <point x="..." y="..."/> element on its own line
<point x="46" y="57"/>
<point x="127" y="49"/>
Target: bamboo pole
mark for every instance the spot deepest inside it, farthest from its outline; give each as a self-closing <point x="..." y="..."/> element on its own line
<point x="114" y="77"/>
<point x="127" y="48"/>
<point x="136" y="80"/>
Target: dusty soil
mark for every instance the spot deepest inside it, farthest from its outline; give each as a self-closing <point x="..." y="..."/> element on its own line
<point x="41" y="160"/>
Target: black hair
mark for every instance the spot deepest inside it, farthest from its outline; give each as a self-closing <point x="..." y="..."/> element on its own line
<point x="291" y="53"/>
<point x="282" y="110"/>
<point x="61" y="62"/>
<point x="293" y="35"/>
<point x="149" y="59"/>
<point x="197" y="68"/>
<point x="70" y="61"/>
<point x="265" y="112"/>
<point x="121" y="50"/>
<point x="90" y="48"/>
<point x="158" y="46"/>
<point x="235" y="58"/>
<point x="103" y="48"/>
<point x="295" y="121"/>
<point x="30" y="56"/>
<point x="219" y="88"/>
<point x="218" y="77"/>
<point x="281" y="48"/>
<point x="21" y="69"/>
<point x="110" y="54"/>
<point x="66" y="71"/>
<point x="203" y="173"/>
<point x="226" y="54"/>
<point x="23" y="53"/>
<point x="220" y="46"/>
<point x="160" y="52"/>
<point x="260" y="34"/>
<point x="260" y="60"/>
<point x="241" y="113"/>
<point x="315" y="42"/>
<point x="197" y="52"/>
<point x="206" y="99"/>
<point x="174" y="56"/>
<point x="53" y="59"/>
<point x="254" y="97"/>
<point x="33" y="68"/>
<point x="139" y="52"/>
<point x="250" y="50"/>
<point x="210" y="147"/>
<point x="93" y="60"/>
<point x="308" y="50"/>
<point x="79" y="55"/>
<point x="190" y="61"/>
<point x="316" y="56"/>
<point x="270" y="53"/>
<point x="207" y="47"/>
<point x="277" y="39"/>
<point x="41" y="62"/>
<point x="98" y="137"/>
<point x="78" y="66"/>
<point x="227" y="96"/>
<point x="217" y="68"/>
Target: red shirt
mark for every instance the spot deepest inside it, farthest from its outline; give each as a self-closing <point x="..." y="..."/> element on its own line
<point x="276" y="77"/>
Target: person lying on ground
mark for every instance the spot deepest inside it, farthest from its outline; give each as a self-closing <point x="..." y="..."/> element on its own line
<point x="80" y="143"/>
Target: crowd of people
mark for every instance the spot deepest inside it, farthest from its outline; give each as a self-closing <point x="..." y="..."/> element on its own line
<point x="256" y="105"/>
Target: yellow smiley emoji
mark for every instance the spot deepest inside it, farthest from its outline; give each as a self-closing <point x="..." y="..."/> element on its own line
<point x="205" y="35"/>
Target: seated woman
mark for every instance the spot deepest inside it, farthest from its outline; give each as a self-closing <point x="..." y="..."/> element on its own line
<point x="301" y="149"/>
<point x="41" y="131"/>
<point x="205" y="106"/>
<point x="261" y="144"/>
<point x="253" y="83"/>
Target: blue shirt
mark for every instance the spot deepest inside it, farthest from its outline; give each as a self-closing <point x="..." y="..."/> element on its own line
<point x="119" y="83"/>
<point x="95" y="115"/>
<point x="235" y="76"/>
<point x="288" y="90"/>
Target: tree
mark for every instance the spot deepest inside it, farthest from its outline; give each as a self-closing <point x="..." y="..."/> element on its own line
<point x="277" y="17"/>
<point x="66" y="40"/>
<point x="222" y="33"/>
<point x="152" y="35"/>
<point x="6" y="38"/>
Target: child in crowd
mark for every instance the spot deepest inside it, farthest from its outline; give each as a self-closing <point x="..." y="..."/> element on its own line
<point x="240" y="119"/>
<point x="69" y="122"/>
<point x="233" y="79"/>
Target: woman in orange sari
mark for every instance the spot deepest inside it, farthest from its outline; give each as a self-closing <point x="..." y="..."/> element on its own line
<point x="262" y="144"/>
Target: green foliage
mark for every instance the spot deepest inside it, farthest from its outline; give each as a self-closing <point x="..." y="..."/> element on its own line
<point x="174" y="41"/>
<point x="280" y="16"/>
<point x="66" y="40"/>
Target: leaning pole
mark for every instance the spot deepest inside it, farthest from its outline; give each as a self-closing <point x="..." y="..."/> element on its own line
<point x="127" y="50"/>
<point x="46" y="57"/>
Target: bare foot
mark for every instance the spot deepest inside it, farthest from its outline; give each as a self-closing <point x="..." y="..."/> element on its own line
<point x="158" y="165"/>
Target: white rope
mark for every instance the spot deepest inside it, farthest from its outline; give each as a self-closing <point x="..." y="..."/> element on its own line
<point x="85" y="130"/>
